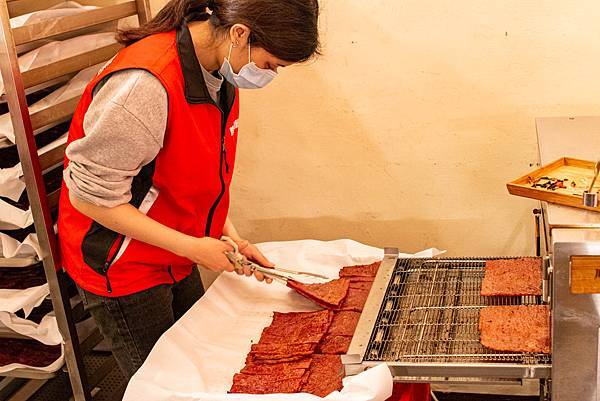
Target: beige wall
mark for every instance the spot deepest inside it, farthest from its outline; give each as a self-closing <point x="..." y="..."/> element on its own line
<point x="405" y="132"/>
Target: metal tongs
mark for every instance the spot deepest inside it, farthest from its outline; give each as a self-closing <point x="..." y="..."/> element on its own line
<point x="240" y="262"/>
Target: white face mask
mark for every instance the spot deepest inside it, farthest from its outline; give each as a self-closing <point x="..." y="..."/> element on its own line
<point x="249" y="77"/>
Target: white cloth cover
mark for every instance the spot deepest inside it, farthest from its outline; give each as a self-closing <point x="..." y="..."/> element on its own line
<point x="195" y="360"/>
<point x="11" y="179"/>
<point x="12" y="248"/>
<point x="63" y="9"/>
<point x="59" y="50"/>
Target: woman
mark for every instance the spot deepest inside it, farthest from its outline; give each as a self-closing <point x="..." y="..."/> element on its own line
<point x="151" y="154"/>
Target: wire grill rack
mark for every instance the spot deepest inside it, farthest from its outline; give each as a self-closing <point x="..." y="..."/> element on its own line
<point x="430" y="313"/>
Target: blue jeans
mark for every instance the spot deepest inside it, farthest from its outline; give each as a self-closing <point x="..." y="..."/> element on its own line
<point x="133" y="324"/>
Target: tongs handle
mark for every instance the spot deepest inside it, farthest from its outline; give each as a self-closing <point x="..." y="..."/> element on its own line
<point x="239" y="261"/>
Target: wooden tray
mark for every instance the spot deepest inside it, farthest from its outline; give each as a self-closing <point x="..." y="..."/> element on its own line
<point x="579" y="171"/>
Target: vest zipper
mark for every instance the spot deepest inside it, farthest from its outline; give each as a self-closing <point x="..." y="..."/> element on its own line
<point x="110" y="261"/>
<point x="171" y="274"/>
<point x="223" y="155"/>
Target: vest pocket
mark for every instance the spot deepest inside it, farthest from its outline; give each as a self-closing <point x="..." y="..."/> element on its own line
<point x="100" y="247"/>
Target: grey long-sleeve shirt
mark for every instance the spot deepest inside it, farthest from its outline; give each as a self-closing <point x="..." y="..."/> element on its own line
<point x="124" y="130"/>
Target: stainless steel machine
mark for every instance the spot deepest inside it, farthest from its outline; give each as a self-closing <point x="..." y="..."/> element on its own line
<point x="422" y="319"/>
<point x="422" y="315"/>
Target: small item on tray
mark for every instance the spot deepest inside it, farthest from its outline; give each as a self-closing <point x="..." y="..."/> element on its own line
<point x="27" y="352"/>
<point x="23" y="277"/>
<point x="325" y="375"/>
<point x="329" y="295"/>
<point x="334" y="344"/>
<point x="360" y="270"/>
<point x="355" y="300"/>
<point x="519" y="328"/>
<point x="344" y="323"/>
<point x="512" y="277"/>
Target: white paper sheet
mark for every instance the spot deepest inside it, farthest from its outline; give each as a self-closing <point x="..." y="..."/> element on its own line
<point x="45" y="332"/>
<point x="13" y="218"/>
<point x="60" y="50"/>
<point x="12" y="184"/>
<point x="197" y="358"/>
<point x="11" y="248"/>
<point x="59" y="10"/>
<point x="73" y="88"/>
<point x="14" y="300"/>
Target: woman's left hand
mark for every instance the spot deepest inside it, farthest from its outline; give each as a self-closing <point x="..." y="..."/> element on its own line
<point x="253" y="254"/>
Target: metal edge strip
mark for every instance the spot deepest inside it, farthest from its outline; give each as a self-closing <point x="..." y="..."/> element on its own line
<point x="477" y="370"/>
<point x="368" y="317"/>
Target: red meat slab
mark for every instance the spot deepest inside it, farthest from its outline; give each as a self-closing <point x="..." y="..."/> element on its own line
<point x="361" y="285"/>
<point x="284" y="369"/>
<point x="251" y="359"/>
<point x="326" y="374"/>
<point x="27" y="352"/>
<point x="355" y="300"/>
<point x="520" y="328"/>
<point x="360" y="270"/>
<point x="279" y="351"/>
<point x="22" y="278"/>
<point x="265" y="384"/>
<point x="333" y="344"/>
<point x="328" y="295"/>
<point x="344" y="323"/>
<point x="297" y="327"/>
<point x="508" y="277"/>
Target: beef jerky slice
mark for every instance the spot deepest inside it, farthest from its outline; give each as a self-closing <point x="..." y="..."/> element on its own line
<point x="326" y="374"/>
<point x="519" y="328"/>
<point x="344" y="323"/>
<point x="355" y="300"/>
<point x="360" y="270"/>
<point x="333" y="344"/>
<point x="512" y="277"/>
<point x="328" y="295"/>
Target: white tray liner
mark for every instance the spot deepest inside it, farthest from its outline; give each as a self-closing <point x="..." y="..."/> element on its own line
<point x="197" y="358"/>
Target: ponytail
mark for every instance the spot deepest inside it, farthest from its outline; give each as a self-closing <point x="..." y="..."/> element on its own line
<point x="287" y="29"/>
<point x="168" y="18"/>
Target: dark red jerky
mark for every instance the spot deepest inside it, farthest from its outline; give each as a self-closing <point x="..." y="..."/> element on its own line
<point x="359" y="279"/>
<point x="254" y="360"/>
<point x="360" y="270"/>
<point x="297" y="327"/>
<point x="284" y="369"/>
<point x="277" y="351"/>
<point x="21" y="278"/>
<point x="27" y="352"/>
<point x="326" y="374"/>
<point x="344" y="323"/>
<point x="265" y="384"/>
<point x="329" y="295"/>
<point x="333" y="344"/>
<point x="361" y="285"/>
<point x="355" y="301"/>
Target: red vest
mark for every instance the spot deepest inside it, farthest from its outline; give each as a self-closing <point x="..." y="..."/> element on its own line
<point x="186" y="187"/>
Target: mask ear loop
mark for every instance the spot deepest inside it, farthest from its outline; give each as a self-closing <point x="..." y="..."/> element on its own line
<point x="229" y="55"/>
<point x="249" y="58"/>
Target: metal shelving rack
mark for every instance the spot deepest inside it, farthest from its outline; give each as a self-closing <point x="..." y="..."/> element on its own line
<point x="26" y="125"/>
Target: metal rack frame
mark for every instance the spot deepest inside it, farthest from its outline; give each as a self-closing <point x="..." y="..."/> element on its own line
<point x="24" y="126"/>
<point x="421" y="320"/>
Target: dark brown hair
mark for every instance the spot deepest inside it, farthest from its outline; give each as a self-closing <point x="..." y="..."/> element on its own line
<point x="285" y="28"/>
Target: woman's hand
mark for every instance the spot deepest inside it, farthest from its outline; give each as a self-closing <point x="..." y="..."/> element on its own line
<point x="208" y="252"/>
<point x="251" y="252"/>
